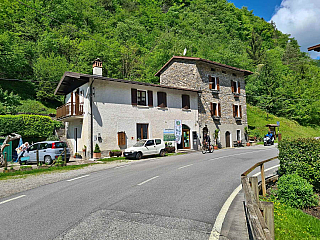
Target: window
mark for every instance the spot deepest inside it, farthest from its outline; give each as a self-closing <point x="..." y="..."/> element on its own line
<point x="186" y="101"/>
<point x="213" y="69"/>
<point x="224" y="72"/>
<point x="215" y="109"/>
<point x="214" y="83"/>
<point x="150" y="143"/>
<point x="33" y="147"/>
<point x="238" y="135"/>
<point x="237" y="112"/>
<point x="142" y="131"/>
<point x="158" y="141"/>
<point x="235" y="87"/>
<point x="139" y="97"/>
<point x="42" y="146"/>
<point x="162" y="99"/>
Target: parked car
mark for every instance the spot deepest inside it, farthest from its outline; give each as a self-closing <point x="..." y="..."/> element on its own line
<point x="48" y="151"/>
<point x="146" y="147"/>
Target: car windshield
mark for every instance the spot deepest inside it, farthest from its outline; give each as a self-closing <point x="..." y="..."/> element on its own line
<point x="140" y="143"/>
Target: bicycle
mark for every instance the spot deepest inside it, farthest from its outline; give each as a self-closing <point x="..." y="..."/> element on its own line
<point x="206" y="149"/>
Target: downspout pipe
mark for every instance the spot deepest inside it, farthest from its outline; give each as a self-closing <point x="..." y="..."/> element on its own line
<point x="91" y="122"/>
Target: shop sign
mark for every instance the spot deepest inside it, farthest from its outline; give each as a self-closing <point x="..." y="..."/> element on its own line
<point x="168" y="135"/>
<point x="178" y="130"/>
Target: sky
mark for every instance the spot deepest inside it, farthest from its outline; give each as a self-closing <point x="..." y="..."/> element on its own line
<point x="300" y="18"/>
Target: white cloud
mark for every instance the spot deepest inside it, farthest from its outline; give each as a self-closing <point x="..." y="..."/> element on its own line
<point x="301" y="19"/>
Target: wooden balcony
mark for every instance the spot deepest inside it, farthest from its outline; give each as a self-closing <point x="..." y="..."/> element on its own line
<point x="70" y="111"/>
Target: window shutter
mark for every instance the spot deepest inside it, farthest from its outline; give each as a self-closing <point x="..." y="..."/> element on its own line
<point x="238" y="86"/>
<point x="211" y="109"/>
<point x="234" y="110"/>
<point x="232" y="88"/>
<point x="165" y="99"/>
<point x="150" y="98"/>
<point x="121" y="138"/>
<point x="210" y="82"/>
<point x="240" y="111"/>
<point x="219" y="109"/>
<point x="218" y="84"/>
<point x="134" y="96"/>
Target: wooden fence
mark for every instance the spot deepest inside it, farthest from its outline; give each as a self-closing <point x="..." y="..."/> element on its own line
<point x="259" y="214"/>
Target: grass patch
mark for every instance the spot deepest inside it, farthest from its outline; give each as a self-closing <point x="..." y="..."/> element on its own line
<point x="35" y="107"/>
<point x="5" y="176"/>
<point x="111" y="159"/>
<point x="291" y="223"/>
<point x="258" y="118"/>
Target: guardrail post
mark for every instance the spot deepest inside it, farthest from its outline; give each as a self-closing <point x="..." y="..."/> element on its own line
<point x="263" y="181"/>
<point x="268" y="215"/>
<point x="255" y="188"/>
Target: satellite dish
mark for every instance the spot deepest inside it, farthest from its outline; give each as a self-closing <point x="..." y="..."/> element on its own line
<point x="184" y="51"/>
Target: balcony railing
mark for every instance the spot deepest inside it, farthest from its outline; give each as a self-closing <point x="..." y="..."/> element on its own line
<point x="69" y="110"/>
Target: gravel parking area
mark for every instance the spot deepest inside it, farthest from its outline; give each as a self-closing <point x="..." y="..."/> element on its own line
<point x="20" y="184"/>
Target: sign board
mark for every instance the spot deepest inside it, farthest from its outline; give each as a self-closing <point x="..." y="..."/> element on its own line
<point x="178" y="130"/>
<point x="168" y="135"/>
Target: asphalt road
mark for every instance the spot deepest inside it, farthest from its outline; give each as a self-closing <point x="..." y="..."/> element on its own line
<point x="175" y="197"/>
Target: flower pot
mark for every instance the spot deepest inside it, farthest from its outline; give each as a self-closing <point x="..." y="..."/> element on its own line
<point x="97" y="155"/>
<point x="115" y="154"/>
<point x="248" y="144"/>
<point x="215" y="147"/>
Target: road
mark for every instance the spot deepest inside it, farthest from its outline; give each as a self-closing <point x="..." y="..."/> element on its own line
<point x="176" y="197"/>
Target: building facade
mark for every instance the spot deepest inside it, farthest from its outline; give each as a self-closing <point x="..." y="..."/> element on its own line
<point x="124" y="112"/>
<point x="222" y="101"/>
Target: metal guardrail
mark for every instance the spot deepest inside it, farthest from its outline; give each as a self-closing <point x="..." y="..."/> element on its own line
<point x="259" y="214"/>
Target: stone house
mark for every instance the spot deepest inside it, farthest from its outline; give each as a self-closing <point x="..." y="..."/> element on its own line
<point x="222" y="101"/>
<point x="115" y="113"/>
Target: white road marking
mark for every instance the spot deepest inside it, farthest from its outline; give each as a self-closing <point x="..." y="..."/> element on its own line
<point x="216" y="230"/>
<point x="12" y="199"/>
<point x="121" y="166"/>
<point x="212" y="159"/>
<point x="185" y="166"/>
<point x="266" y="170"/>
<point x="147" y="180"/>
<point x="77" y="178"/>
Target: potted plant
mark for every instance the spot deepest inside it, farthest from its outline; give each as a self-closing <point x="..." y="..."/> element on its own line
<point x="169" y="148"/>
<point x="77" y="155"/>
<point x="216" y="136"/>
<point x="115" y="153"/>
<point x="97" y="151"/>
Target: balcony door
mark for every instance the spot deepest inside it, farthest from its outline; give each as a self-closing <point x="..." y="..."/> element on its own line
<point x="77" y="100"/>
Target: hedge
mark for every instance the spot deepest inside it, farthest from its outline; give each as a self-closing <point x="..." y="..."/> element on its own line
<point x="28" y="125"/>
<point x="301" y="156"/>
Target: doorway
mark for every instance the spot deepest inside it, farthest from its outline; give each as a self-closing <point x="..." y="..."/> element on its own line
<point x="185" y="138"/>
<point x="228" y="139"/>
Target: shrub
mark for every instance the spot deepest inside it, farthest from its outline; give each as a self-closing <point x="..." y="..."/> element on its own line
<point x="28" y="125"/>
<point x="97" y="149"/>
<point x="301" y="156"/>
<point x="296" y="192"/>
<point x="52" y="138"/>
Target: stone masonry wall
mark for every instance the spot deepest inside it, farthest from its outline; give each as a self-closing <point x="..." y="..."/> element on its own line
<point x="193" y="74"/>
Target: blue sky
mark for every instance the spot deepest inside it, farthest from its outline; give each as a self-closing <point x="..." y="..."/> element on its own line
<point x="299" y="18"/>
<point x="261" y="8"/>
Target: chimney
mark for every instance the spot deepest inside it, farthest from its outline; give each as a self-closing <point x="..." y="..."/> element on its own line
<point x="97" y="67"/>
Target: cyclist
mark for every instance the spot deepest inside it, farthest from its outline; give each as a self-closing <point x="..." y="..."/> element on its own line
<point x="207" y="142"/>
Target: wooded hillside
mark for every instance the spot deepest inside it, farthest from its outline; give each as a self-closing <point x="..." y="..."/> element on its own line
<point x="39" y="40"/>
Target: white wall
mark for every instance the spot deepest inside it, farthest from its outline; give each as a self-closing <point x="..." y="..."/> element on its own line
<point x="114" y="113"/>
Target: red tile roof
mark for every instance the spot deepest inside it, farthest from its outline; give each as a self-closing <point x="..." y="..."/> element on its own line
<point x="246" y="72"/>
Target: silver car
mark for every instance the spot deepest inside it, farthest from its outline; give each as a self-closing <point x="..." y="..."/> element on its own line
<point x="48" y="151"/>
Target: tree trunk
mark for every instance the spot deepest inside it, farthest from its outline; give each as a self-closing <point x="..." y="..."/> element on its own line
<point x="8" y="139"/>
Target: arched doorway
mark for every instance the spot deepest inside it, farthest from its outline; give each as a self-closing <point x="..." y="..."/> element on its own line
<point x="185" y="138"/>
<point x="228" y="139"/>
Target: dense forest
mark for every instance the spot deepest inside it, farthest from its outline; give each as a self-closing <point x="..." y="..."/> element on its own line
<point x="40" y="39"/>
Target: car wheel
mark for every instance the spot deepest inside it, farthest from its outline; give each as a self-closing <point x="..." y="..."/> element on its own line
<point x="47" y="160"/>
<point x="162" y="153"/>
<point x="138" y="155"/>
